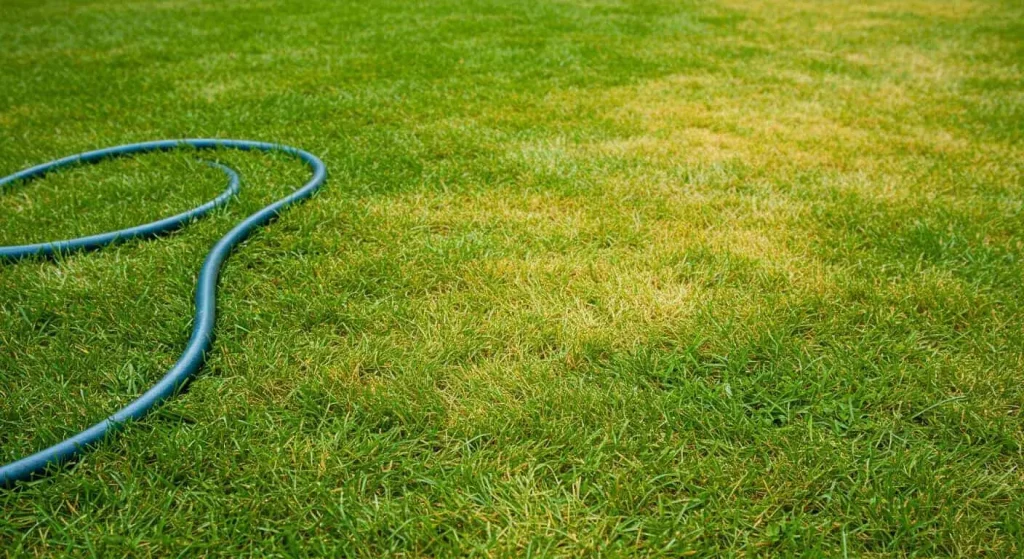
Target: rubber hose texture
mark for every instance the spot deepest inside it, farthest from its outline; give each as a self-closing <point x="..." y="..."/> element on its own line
<point x="199" y="343"/>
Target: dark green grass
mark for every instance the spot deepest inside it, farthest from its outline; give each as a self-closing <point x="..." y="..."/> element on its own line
<point x="605" y="278"/>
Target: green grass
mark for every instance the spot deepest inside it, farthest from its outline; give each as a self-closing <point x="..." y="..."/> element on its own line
<point x="588" y="278"/>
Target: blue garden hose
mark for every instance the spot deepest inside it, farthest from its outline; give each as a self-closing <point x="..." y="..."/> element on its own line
<point x="206" y="287"/>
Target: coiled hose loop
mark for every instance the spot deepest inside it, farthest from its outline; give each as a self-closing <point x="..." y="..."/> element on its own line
<point x="191" y="358"/>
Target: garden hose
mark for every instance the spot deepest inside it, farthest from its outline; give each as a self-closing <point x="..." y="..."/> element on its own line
<point x="199" y="343"/>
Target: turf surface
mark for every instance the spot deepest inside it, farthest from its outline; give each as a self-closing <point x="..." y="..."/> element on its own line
<point x="616" y="278"/>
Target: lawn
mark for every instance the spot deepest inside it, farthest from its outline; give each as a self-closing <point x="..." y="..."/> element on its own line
<point x="587" y="278"/>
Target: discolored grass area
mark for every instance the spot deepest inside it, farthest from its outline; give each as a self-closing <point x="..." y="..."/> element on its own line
<point x="587" y="278"/>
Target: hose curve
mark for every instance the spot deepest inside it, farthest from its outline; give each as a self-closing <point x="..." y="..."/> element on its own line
<point x="199" y="342"/>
